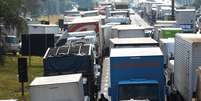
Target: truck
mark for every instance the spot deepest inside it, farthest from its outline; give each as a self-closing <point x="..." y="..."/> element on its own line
<point x="187" y="60"/>
<point x="127" y="31"/>
<point x="120" y="16"/>
<point x="137" y="73"/>
<point x="87" y="25"/>
<point x="57" y="88"/>
<point x="70" y="59"/>
<point x="186" y="19"/>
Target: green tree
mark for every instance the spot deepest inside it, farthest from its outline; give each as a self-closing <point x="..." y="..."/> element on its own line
<point x="11" y="17"/>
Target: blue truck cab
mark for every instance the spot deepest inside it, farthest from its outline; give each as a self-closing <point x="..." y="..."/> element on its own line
<point x="137" y="73"/>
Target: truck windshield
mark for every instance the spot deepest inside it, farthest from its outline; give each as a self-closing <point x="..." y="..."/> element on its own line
<point x="11" y="39"/>
<point x="139" y="92"/>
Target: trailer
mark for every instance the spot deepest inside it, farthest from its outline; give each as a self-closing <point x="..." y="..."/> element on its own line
<point x="127" y="31"/>
<point x="57" y="88"/>
<point x="70" y="59"/>
<point x="137" y="73"/>
<point x="187" y="60"/>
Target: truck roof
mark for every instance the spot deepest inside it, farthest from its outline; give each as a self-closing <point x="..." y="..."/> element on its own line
<point x="56" y="79"/>
<point x="130" y="52"/>
<point x="190" y="37"/>
<point x="133" y="41"/>
<point x="127" y="27"/>
<point x="139" y="81"/>
<point x="82" y="21"/>
<point x="185" y="10"/>
<point x="43" y="25"/>
<point x="166" y="22"/>
<point x="171" y="28"/>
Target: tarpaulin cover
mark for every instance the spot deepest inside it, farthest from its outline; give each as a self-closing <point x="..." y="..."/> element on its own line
<point x="68" y="64"/>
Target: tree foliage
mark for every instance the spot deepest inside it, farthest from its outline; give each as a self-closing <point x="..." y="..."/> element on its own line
<point x="11" y="15"/>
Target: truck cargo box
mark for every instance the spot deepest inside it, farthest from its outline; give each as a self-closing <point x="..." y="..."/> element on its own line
<point x="57" y="88"/>
<point x="127" y="31"/>
<point x="84" y="25"/>
<point x="43" y="29"/>
<point x="132" y="42"/>
<point x="141" y="70"/>
<point x="186" y="19"/>
<point x="187" y="60"/>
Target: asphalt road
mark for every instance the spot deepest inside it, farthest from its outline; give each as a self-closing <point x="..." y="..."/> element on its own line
<point x="138" y="21"/>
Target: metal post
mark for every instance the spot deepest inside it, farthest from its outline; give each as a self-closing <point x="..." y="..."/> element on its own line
<point x="173" y="16"/>
<point x="22" y="89"/>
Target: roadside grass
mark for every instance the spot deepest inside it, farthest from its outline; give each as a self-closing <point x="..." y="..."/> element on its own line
<point x="10" y="88"/>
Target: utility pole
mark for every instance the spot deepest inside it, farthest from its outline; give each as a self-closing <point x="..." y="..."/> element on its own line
<point x="173" y="5"/>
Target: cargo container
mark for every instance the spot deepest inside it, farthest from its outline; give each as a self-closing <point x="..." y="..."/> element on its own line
<point x="100" y="18"/>
<point x="71" y="15"/>
<point x="118" y="19"/>
<point x="121" y="4"/>
<point x="127" y="31"/>
<point x="187" y="60"/>
<point x="132" y="42"/>
<point x="57" y="88"/>
<point x="167" y="33"/>
<point x="124" y="13"/>
<point x="137" y="73"/>
<point x="75" y="58"/>
<point x="43" y="29"/>
<point x="186" y="19"/>
<point x="167" y="46"/>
